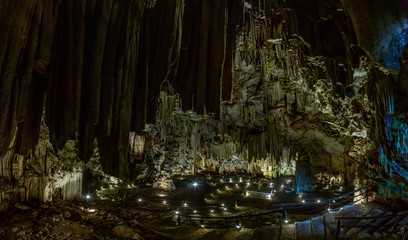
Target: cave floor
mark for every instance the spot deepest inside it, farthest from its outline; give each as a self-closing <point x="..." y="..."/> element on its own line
<point x="130" y="211"/>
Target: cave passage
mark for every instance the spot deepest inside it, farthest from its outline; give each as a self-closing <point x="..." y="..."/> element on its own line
<point x="204" y="119"/>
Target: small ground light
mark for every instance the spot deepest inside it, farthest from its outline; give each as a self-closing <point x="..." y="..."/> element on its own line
<point x="164" y="202"/>
<point x="195" y="184"/>
<point x="303" y="201"/>
<point x="286" y="221"/>
<point x="226" y="187"/>
<point x="202" y="225"/>
<point x="88" y="197"/>
<point x="176" y="212"/>
<point x="223" y="204"/>
<point x="318" y="201"/>
<point x="185" y="204"/>
<point x="238" y="226"/>
<point x="195" y="211"/>
<point x="139" y="199"/>
<point x="211" y="210"/>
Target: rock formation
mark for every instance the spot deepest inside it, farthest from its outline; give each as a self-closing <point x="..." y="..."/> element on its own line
<point x="152" y="89"/>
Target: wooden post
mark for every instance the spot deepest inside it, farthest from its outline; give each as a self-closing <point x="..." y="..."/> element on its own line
<point x="311" y="228"/>
<point x="366" y="194"/>
<point x="338" y="230"/>
<point x="178" y="220"/>
<point x="324" y="226"/>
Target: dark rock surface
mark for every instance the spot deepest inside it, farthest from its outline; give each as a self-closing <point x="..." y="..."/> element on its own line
<point x="227" y="86"/>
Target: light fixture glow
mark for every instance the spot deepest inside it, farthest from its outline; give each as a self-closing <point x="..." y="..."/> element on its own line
<point x="195" y="184"/>
<point x="139" y="199"/>
<point x="88" y="197"/>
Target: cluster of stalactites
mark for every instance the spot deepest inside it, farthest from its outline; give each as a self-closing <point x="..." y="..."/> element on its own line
<point x="395" y="161"/>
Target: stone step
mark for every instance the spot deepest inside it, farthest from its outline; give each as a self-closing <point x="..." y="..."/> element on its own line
<point x="365" y="231"/>
<point x="288" y="232"/>
<point x="318" y="227"/>
<point x="270" y="233"/>
<point x="303" y="230"/>
<point x="244" y="234"/>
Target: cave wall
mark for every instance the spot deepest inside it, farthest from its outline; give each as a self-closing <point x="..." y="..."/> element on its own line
<point x="305" y="100"/>
<point x="226" y="86"/>
<point x="77" y="58"/>
<point x="381" y="28"/>
<point x="98" y="67"/>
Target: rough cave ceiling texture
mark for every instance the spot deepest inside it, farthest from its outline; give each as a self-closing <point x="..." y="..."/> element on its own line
<point x="381" y="27"/>
<point x="99" y="66"/>
<point x="290" y="81"/>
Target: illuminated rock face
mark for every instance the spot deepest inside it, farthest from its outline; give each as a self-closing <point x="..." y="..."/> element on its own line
<point x="43" y="174"/>
<point x="225" y="86"/>
<point x="288" y="106"/>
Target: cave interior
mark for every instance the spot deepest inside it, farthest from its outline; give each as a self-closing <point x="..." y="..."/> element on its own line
<point x="204" y="119"/>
